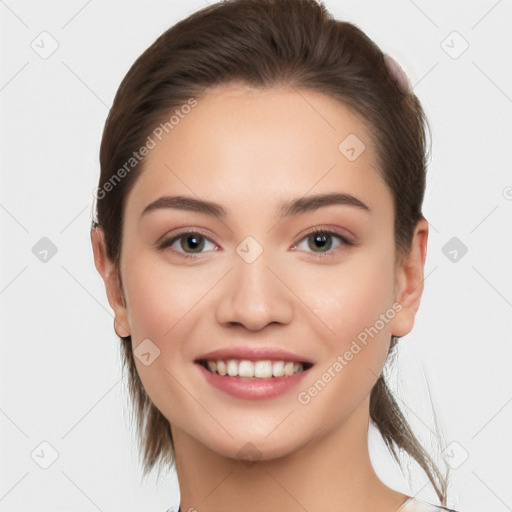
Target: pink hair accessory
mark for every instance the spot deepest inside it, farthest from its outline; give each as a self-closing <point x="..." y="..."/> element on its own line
<point x="397" y="73"/>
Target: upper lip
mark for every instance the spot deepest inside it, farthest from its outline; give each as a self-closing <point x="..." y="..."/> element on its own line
<point x="253" y="354"/>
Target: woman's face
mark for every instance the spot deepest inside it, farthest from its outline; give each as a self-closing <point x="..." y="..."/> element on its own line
<point x="255" y="277"/>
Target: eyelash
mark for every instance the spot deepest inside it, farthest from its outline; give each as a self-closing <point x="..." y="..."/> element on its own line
<point x="317" y="231"/>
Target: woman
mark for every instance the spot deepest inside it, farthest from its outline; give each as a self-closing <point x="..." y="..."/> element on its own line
<point x="260" y="234"/>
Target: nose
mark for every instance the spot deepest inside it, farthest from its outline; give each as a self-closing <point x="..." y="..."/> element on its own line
<point x="254" y="295"/>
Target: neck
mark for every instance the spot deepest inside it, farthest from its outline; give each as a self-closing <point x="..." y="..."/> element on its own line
<point x="331" y="472"/>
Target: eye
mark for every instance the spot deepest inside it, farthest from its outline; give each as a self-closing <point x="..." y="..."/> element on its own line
<point x="324" y="240"/>
<point x="321" y="242"/>
<point x="188" y="240"/>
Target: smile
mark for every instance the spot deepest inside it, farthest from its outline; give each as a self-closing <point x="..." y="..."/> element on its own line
<point x="264" y="369"/>
<point x="252" y="380"/>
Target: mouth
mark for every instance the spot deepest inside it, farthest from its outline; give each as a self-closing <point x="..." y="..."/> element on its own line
<point x="260" y="369"/>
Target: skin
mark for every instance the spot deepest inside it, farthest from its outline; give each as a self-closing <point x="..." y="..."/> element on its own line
<point x="250" y="150"/>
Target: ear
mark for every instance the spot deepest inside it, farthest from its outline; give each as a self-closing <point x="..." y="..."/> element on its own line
<point x="409" y="277"/>
<point x="111" y="278"/>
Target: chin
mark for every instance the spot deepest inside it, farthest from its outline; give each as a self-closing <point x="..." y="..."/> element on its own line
<point x="254" y="448"/>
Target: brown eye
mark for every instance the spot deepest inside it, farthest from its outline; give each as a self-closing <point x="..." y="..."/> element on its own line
<point x="188" y="244"/>
<point x="194" y="242"/>
<point x="323" y="242"/>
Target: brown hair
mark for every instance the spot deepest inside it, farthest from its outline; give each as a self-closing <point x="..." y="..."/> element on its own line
<point x="265" y="44"/>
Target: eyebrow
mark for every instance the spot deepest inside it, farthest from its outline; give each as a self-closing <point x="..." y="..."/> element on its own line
<point x="287" y="209"/>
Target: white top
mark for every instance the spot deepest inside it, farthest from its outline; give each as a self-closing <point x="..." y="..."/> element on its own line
<point x="411" y="505"/>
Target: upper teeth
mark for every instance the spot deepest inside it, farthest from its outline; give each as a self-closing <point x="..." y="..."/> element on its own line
<point x="259" y="369"/>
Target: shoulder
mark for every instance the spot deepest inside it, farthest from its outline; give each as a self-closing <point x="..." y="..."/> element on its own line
<point x="173" y="509"/>
<point x="416" y="505"/>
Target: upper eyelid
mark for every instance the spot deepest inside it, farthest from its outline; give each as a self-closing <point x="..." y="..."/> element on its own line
<point x="166" y="239"/>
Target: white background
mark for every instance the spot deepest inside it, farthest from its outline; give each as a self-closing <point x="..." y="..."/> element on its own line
<point x="59" y="361"/>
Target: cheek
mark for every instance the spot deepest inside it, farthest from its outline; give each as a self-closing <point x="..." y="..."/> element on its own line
<point x="160" y="295"/>
<point x="356" y="303"/>
<point x="162" y="302"/>
<point x="351" y="297"/>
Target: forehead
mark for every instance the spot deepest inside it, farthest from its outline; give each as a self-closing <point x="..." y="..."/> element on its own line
<point x="244" y="146"/>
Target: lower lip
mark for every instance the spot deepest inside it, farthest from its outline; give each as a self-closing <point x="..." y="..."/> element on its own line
<point x="252" y="389"/>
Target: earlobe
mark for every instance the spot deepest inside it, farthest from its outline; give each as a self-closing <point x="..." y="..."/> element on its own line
<point x="111" y="279"/>
<point x="409" y="281"/>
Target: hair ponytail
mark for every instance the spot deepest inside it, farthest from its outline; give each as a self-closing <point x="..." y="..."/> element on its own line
<point x="387" y="416"/>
